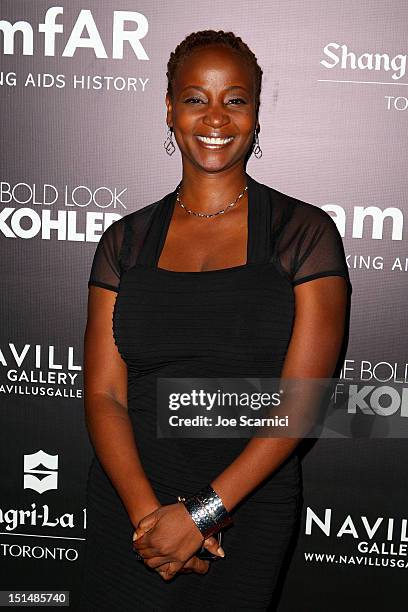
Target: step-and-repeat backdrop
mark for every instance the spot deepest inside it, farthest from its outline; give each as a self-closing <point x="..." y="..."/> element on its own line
<point x="82" y="125"/>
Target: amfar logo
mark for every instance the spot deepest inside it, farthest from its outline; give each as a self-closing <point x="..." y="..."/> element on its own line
<point x="373" y="216"/>
<point x="50" y="475"/>
<point x="84" y="20"/>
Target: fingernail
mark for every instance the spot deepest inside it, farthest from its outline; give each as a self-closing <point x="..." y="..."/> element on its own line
<point x="220" y="551"/>
<point x="135" y="536"/>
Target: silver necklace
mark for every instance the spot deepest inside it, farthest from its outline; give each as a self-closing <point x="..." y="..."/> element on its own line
<point x="219" y="212"/>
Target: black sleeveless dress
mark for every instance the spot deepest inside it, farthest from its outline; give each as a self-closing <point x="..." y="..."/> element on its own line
<point x="228" y="322"/>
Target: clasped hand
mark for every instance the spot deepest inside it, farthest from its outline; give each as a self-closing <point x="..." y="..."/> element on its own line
<point x="167" y="540"/>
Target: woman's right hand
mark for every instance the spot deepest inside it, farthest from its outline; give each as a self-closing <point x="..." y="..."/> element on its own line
<point x="194" y="563"/>
<point x="201" y="566"/>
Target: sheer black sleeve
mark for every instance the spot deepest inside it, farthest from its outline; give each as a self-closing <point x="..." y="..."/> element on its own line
<point x="106" y="266"/>
<point x="311" y="246"/>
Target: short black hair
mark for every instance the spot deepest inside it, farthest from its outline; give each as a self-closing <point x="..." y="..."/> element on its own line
<point x="204" y="38"/>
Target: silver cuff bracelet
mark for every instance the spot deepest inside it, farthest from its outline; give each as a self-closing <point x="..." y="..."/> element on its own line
<point x="207" y="511"/>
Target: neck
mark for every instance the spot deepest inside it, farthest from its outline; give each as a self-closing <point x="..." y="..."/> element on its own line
<point x="211" y="190"/>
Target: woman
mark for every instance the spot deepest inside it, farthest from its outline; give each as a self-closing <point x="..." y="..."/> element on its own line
<point x="223" y="277"/>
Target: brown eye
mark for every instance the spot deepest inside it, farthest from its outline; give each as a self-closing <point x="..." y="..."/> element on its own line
<point x="237" y="100"/>
<point x="192" y="100"/>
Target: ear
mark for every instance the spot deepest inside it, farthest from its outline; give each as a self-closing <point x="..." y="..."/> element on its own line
<point x="169" y="105"/>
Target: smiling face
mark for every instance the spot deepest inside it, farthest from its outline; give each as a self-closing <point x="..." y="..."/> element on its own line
<point x="213" y="108"/>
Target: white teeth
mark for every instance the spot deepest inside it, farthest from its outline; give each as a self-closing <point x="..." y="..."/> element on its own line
<point x="215" y="141"/>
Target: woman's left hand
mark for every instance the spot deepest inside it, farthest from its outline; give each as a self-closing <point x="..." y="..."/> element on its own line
<point x="167" y="536"/>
